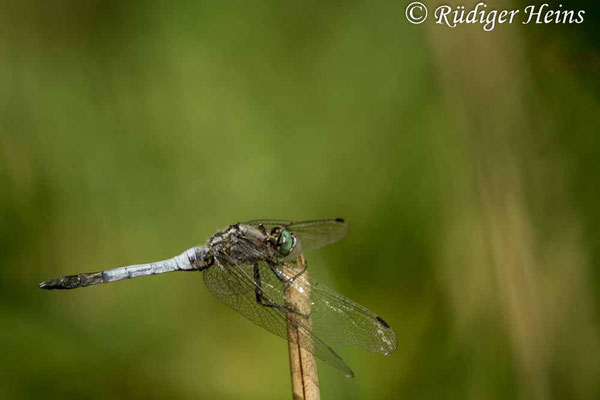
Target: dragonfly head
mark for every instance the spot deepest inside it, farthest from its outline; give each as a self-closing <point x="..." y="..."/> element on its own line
<point x="285" y="241"/>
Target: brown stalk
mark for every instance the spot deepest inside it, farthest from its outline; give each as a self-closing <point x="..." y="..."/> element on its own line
<point x="305" y="380"/>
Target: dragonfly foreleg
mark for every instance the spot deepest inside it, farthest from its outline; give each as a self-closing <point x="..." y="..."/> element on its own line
<point x="283" y="277"/>
<point x="266" y="303"/>
<point x="297" y="275"/>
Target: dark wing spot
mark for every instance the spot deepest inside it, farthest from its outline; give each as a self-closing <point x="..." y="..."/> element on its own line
<point x="383" y="322"/>
<point x="340" y="220"/>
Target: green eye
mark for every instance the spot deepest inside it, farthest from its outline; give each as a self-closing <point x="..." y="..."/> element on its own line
<point x="285" y="242"/>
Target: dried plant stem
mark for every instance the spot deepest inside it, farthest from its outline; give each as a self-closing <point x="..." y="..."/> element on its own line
<point x="305" y="380"/>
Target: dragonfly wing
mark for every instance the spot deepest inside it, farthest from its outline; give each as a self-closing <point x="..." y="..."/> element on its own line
<point x="225" y="282"/>
<point x="270" y="223"/>
<point x="312" y="234"/>
<point x="337" y="318"/>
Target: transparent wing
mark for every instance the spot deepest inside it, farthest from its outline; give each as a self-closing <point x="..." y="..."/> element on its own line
<point x="312" y="234"/>
<point x="236" y="286"/>
<point x="270" y="223"/>
<point x="332" y="316"/>
<point x="337" y="318"/>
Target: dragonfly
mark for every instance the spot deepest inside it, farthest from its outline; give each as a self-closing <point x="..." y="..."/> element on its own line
<point x="250" y="267"/>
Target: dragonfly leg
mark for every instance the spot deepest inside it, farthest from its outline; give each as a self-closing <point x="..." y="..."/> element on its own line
<point x="265" y="303"/>
<point x="280" y="275"/>
<point x="297" y="275"/>
<point x="259" y="292"/>
<point x="287" y="279"/>
<point x="258" y="289"/>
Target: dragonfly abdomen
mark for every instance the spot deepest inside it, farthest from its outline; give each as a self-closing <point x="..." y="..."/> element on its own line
<point x="73" y="281"/>
<point x="191" y="260"/>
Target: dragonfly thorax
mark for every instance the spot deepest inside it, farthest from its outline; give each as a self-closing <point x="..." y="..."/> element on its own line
<point x="243" y="244"/>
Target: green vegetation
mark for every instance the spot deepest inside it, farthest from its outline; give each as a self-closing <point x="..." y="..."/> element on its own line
<point x="466" y="163"/>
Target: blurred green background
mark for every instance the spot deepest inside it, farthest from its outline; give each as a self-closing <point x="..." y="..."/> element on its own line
<point x="465" y="162"/>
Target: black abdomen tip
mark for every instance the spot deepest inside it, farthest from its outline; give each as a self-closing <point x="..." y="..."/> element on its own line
<point x="51" y="284"/>
<point x="68" y="282"/>
<point x="382" y="322"/>
<point x="73" y="281"/>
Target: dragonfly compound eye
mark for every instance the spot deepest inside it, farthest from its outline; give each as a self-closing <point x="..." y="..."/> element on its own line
<point x="285" y="242"/>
